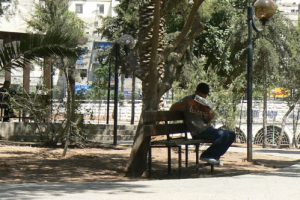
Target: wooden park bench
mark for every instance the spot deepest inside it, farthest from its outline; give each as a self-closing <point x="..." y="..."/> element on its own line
<point x="170" y="124"/>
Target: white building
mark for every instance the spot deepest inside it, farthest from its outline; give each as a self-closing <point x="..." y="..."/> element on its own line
<point x="91" y="12"/>
<point x="290" y="8"/>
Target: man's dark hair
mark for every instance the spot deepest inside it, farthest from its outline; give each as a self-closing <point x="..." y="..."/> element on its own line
<point x="202" y="88"/>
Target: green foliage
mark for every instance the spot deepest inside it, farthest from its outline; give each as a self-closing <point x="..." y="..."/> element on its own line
<point x="215" y="41"/>
<point x="266" y="66"/>
<point x="36" y="107"/>
<point x="106" y="61"/>
<point x="54" y="16"/>
<point x="32" y="47"/>
<point x="239" y="5"/>
<point x="175" y="15"/>
<point x="284" y="38"/>
<point x="99" y="89"/>
<point x="224" y="42"/>
<point x="124" y="23"/>
<point x="221" y="49"/>
<point x="224" y="99"/>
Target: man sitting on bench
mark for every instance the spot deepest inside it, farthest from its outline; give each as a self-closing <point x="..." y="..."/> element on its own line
<point x="198" y="114"/>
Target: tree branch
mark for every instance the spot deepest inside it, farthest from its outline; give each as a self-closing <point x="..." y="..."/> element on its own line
<point x="173" y="66"/>
<point x="189" y="23"/>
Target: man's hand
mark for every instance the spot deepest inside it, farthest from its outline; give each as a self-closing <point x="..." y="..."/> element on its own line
<point x="205" y="112"/>
<point x="209" y="116"/>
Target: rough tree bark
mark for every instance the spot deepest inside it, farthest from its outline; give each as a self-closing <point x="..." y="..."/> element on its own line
<point x="149" y="64"/>
<point x="265" y="109"/>
<point x="70" y="117"/>
<point x="295" y="125"/>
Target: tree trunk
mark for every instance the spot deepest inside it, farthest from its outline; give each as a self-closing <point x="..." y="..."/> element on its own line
<point x="47" y="82"/>
<point x="295" y="125"/>
<point x="70" y="107"/>
<point x="138" y="158"/>
<point x="265" y="110"/>
<point x="291" y="108"/>
<point x="133" y="97"/>
<point x="122" y="83"/>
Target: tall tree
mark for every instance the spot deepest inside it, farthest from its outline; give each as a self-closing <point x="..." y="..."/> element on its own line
<point x="54" y="16"/>
<point x="266" y="70"/>
<point x="159" y="56"/>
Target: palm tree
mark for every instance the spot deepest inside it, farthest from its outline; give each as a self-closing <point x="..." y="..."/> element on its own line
<point x="54" y="16"/>
<point x="32" y="47"/>
<point x="58" y="33"/>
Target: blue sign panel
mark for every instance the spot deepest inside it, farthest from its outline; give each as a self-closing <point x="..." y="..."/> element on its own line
<point x="82" y="89"/>
<point x="102" y="45"/>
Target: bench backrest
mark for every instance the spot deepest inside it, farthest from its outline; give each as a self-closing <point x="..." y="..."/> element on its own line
<point x="165" y="122"/>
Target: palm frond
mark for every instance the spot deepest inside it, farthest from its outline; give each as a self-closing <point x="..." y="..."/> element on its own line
<point x="33" y="46"/>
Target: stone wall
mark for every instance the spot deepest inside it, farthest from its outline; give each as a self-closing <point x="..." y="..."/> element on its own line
<point x="15" y="131"/>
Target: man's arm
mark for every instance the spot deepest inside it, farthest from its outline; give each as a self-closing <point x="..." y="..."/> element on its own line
<point x="209" y="116"/>
<point x="178" y="106"/>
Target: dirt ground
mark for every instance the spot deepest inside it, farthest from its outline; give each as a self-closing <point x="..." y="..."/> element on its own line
<point x="25" y="164"/>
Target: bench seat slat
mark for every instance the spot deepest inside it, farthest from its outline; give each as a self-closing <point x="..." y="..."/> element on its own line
<point x="157" y="116"/>
<point x="164" y="129"/>
<point x="177" y="142"/>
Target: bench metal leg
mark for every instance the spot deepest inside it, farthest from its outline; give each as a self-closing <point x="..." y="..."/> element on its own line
<point x="1" y="115"/>
<point x="212" y="168"/>
<point x="186" y="155"/>
<point x="179" y="161"/>
<point x="197" y="157"/>
<point x="169" y="160"/>
<point x="149" y="161"/>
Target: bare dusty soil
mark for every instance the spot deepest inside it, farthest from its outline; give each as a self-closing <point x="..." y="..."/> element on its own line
<point x="24" y="164"/>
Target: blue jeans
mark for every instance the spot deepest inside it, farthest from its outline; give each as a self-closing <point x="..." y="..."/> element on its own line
<point x="221" y="141"/>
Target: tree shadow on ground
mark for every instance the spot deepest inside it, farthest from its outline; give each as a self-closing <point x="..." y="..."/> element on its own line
<point x="41" y="165"/>
<point x="33" y="191"/>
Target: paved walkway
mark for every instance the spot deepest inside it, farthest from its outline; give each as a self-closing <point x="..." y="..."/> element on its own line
<point x="281" y="185"/>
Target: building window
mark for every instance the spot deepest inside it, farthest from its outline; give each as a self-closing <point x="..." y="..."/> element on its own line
<point x="78" y="8"/>
<point x="100" y="8"/>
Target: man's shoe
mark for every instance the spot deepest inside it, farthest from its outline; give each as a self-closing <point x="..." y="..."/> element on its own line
<point x="211" y="161"/>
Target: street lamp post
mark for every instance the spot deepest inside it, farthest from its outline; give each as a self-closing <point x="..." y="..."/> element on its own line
<point x="116" y="92"/>
<point x="264" y="10"/>
<point x="108" y="93"/>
